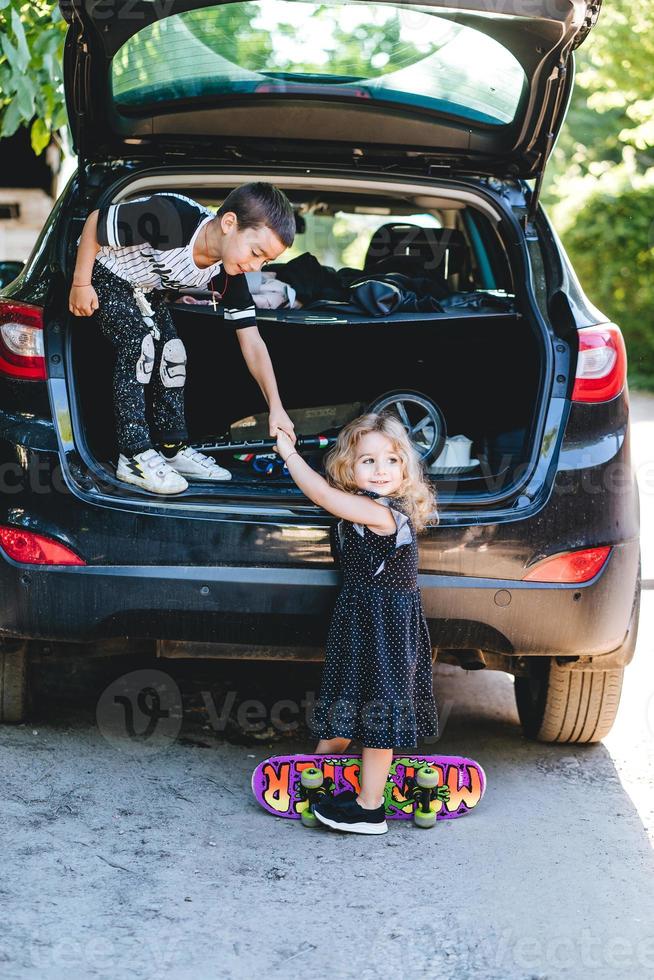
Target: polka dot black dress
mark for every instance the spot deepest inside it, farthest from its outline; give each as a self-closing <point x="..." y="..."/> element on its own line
<point x="377" y="679"/>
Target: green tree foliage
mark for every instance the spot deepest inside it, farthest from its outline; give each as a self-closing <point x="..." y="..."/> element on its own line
<point x="600" y="186"/>
<point x="31" y="86"/>
<point x="617" y="73"/>
<point x="607" y="142"/>
<point x="611" y="245"/>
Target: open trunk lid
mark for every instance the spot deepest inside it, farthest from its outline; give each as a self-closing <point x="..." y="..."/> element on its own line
<point x="481" y="86"/>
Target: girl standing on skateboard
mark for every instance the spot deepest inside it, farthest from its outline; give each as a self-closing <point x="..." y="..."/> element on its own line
<point x="377" y="678"/>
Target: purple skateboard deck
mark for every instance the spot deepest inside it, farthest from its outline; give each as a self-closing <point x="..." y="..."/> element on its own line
<point x="277" y="787"/>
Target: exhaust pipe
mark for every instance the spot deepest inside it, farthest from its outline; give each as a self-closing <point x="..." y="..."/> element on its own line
<point x="471" y="659"/>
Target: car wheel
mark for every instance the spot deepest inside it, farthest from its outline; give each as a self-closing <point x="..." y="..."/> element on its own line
<point x="13" y="681"/>
<point x="558" y="705"/>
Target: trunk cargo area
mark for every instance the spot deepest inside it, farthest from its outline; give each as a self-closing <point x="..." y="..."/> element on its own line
<point x="482" y="370"/>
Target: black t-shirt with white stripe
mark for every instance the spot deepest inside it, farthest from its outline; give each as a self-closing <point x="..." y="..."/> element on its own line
<point x="149" y="243"/>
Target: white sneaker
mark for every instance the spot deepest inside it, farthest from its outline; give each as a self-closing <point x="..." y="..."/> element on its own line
<point x="150" y="471"/>
<point x="197" y="466"/>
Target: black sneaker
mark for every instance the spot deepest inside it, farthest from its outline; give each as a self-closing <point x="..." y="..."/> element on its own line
<point x="342" y="812"/>
<point x="345" y="797"/>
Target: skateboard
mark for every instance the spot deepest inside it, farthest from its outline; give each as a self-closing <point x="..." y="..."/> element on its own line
<point x="422" y="788"/>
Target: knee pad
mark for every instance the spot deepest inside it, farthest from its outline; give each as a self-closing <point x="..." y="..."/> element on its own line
<point x="173" y="364"/>
<point x="145" y="363"/>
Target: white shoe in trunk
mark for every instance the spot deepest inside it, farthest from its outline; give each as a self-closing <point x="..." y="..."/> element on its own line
<point x="150" y="471"/>
<point x="196" y="466"/>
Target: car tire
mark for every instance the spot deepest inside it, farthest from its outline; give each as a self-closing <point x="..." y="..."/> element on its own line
<point x="556" y="704"/>
<point x="13" y="681"/>
<point x="559" y="705"/>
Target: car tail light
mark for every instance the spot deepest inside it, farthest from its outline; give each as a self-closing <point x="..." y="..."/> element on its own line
<point x="571" y="567"/>
<point x="22" y="353"/>
<point x="601" y="365"/>
<point x="35" y="549"/>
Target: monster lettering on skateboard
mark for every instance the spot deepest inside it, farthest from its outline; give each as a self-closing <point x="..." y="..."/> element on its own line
<point x="424" y="788"/>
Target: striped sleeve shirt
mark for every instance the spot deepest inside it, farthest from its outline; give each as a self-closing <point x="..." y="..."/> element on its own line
<point x="149" y="243"/>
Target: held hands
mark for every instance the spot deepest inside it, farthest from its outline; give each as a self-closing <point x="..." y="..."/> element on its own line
<point x="284" y="445"/>
<point x="279" y="420"/>
<point x="83" y="301"/>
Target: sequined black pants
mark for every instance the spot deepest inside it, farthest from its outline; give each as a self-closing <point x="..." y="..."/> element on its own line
<point x="143" y="362"/>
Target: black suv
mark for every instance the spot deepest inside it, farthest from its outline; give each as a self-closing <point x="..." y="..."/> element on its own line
<point x="378" y="120"/>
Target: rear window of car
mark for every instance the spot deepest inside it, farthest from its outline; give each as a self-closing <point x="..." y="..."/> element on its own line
<point x="343" y="238"/>
<point x="416" y="56"/>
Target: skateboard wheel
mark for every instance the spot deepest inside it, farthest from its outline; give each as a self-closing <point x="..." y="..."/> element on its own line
<point x="311" y="778"/>
<point x="427" y="778"/>
<point x="308" y="818"/>
<point x="424" y="820"/>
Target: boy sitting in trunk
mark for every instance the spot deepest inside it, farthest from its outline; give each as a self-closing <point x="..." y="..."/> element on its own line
<point x="128" y="254"/>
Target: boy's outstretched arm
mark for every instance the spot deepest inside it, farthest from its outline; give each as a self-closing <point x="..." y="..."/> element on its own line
<point x="256" y="356"/>
<point x="83" y="300"/>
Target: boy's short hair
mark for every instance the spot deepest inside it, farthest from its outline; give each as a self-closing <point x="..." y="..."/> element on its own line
<point x="258" y="204"/>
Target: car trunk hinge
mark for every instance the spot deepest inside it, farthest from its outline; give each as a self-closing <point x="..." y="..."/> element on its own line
<point x="81" y="91"/>
<point x="550" y="136"/>
<point x="591" y="18"/>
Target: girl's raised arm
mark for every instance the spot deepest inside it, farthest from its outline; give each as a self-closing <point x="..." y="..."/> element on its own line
<point x="351" y="506"/>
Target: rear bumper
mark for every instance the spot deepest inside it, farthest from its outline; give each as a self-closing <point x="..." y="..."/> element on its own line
<point x="286" y="606"/>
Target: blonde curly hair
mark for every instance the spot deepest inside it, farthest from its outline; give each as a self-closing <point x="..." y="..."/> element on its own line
<point x="418" y="498"/>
